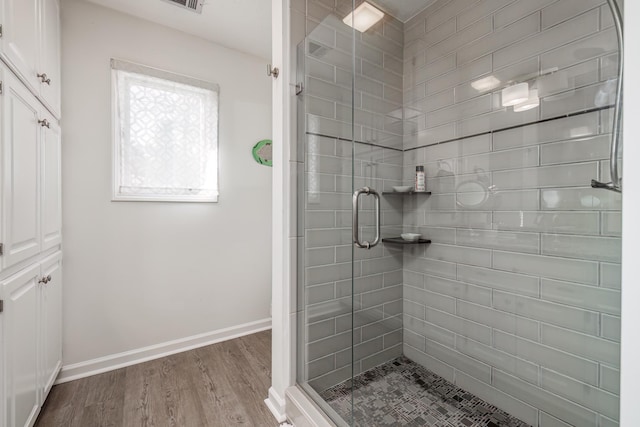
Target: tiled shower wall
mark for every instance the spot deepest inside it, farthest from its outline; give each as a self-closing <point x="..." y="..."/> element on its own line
<point x="518" y="297"/>
<point x="325" y="181"/>
<point x="455" y="43"/>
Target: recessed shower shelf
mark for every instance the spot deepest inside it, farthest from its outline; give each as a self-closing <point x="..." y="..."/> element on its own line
<point x="405" y="193"/>
<point x="401" y="241"/>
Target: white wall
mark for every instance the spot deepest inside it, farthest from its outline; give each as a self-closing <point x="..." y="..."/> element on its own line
<point x="138" y="274"/>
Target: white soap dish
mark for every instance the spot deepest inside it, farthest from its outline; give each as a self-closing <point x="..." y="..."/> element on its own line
<point x="411" y="237"/>
<point x="403" y="188"/>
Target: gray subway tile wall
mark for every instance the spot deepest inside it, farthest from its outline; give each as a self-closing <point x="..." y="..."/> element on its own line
<point x="512" y="213"/>
<point x="518" y="297"/>
<point x="505" y="41"/>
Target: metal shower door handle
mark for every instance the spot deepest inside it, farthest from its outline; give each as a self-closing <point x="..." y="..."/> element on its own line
<point x="356" y="208"/>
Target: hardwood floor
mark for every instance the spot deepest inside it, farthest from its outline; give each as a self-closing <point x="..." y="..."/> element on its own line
<point x="224" y="384"/>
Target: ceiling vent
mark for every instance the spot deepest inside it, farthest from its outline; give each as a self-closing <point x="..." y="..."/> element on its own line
<point x="193" y="5"/>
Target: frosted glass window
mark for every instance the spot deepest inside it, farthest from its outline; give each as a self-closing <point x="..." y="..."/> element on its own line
<point x="165" y="136"/>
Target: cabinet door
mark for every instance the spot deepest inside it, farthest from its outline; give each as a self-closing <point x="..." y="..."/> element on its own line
<point x="20" y="37"/>
<point x="21" y="197"/>
<point x="20" y="317"/>
<point x="50" y="54"/>
<point x="51" y="324"/>
<point x="51" y="202"/>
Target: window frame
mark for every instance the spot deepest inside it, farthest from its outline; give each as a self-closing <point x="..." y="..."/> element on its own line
<point x="116" y="140"/>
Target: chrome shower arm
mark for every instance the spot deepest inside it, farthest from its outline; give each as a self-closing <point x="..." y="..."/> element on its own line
<point x="616" y="179"/>
<point x="615" y="143"/>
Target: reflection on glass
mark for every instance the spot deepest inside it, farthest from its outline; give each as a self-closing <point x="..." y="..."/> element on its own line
<point x="514" y="95"/>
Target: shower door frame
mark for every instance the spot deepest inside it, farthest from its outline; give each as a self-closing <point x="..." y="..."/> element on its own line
<point x="284" y="399"/>
<point x="630" y="348"/>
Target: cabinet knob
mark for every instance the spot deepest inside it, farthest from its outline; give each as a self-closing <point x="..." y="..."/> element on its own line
<point x="44" y="79"/>
<point x="43" y="280"/>
<point x="44" y="123"/>
<point x="48" y="278"/>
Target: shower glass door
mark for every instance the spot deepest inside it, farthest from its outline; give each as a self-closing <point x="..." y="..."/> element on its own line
<point x="506" y="309"/>
<point x="326" y="169"/>
<point x="349" y="159"/>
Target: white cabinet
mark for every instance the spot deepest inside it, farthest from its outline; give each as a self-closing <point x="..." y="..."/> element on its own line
<point x="32" y="338"/>
<point x="30" y="208"/>
<point x="30" y="44"/>
<point x="31" y="149"/>
<point x="21" y="179"/>
<point x="30" y="233"/>
<point x="51" y="320"/>
<point x="21" y="295"/>
<point x="50" y="169"/>
<point x="20" y="37"/>
<point x="50" y="54"/>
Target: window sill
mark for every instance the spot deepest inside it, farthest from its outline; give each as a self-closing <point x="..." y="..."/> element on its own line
<point x="176" y="199"/>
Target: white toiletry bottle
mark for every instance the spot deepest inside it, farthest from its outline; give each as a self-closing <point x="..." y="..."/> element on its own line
<point x="420" y="179"/>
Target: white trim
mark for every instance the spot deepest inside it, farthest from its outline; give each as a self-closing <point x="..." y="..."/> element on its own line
<point x="630" y="349"/>
<point x="303" y="412"/>
<point x="276" y="405"/>
<point x="167" y="199"/>
<point x="127" y="358"/>
<point x="282" y="300"/>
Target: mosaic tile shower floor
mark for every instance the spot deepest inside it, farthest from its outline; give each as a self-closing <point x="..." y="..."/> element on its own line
<point x="402" y="393"/>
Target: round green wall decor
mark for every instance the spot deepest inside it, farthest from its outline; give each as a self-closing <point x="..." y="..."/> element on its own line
<point x="263" y="152"/>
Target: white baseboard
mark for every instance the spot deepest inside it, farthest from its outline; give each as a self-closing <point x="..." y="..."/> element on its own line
<point x="120" y="360"/>
<point x="276" y="405"/>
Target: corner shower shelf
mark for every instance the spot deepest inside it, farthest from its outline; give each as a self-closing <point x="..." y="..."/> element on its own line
<point x="401" y="241"/>
<point x="405" y="193"/>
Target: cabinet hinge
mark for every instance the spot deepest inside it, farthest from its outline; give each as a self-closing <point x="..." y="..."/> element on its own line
<point x="1" y="249"/>
<point x="1" y="305"/>
<point x="1" y="88"/>
<point x="0" y="30"/>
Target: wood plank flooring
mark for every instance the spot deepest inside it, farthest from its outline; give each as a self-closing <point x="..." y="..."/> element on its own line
<point x="223" y="384"/>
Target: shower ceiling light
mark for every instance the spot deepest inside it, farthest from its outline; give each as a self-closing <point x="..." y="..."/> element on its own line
<point x="515" y="94"/>
<point x="363" y="17"/>
<point x="485" y="84"/>
<point x="530" y="103"/>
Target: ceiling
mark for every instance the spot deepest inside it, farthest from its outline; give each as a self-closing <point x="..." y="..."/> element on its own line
<point x="403" y="9"/>
<point x="244" y="25"/>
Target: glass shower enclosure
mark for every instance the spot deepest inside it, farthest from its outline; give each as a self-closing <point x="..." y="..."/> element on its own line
<point x="506" y="308"/>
